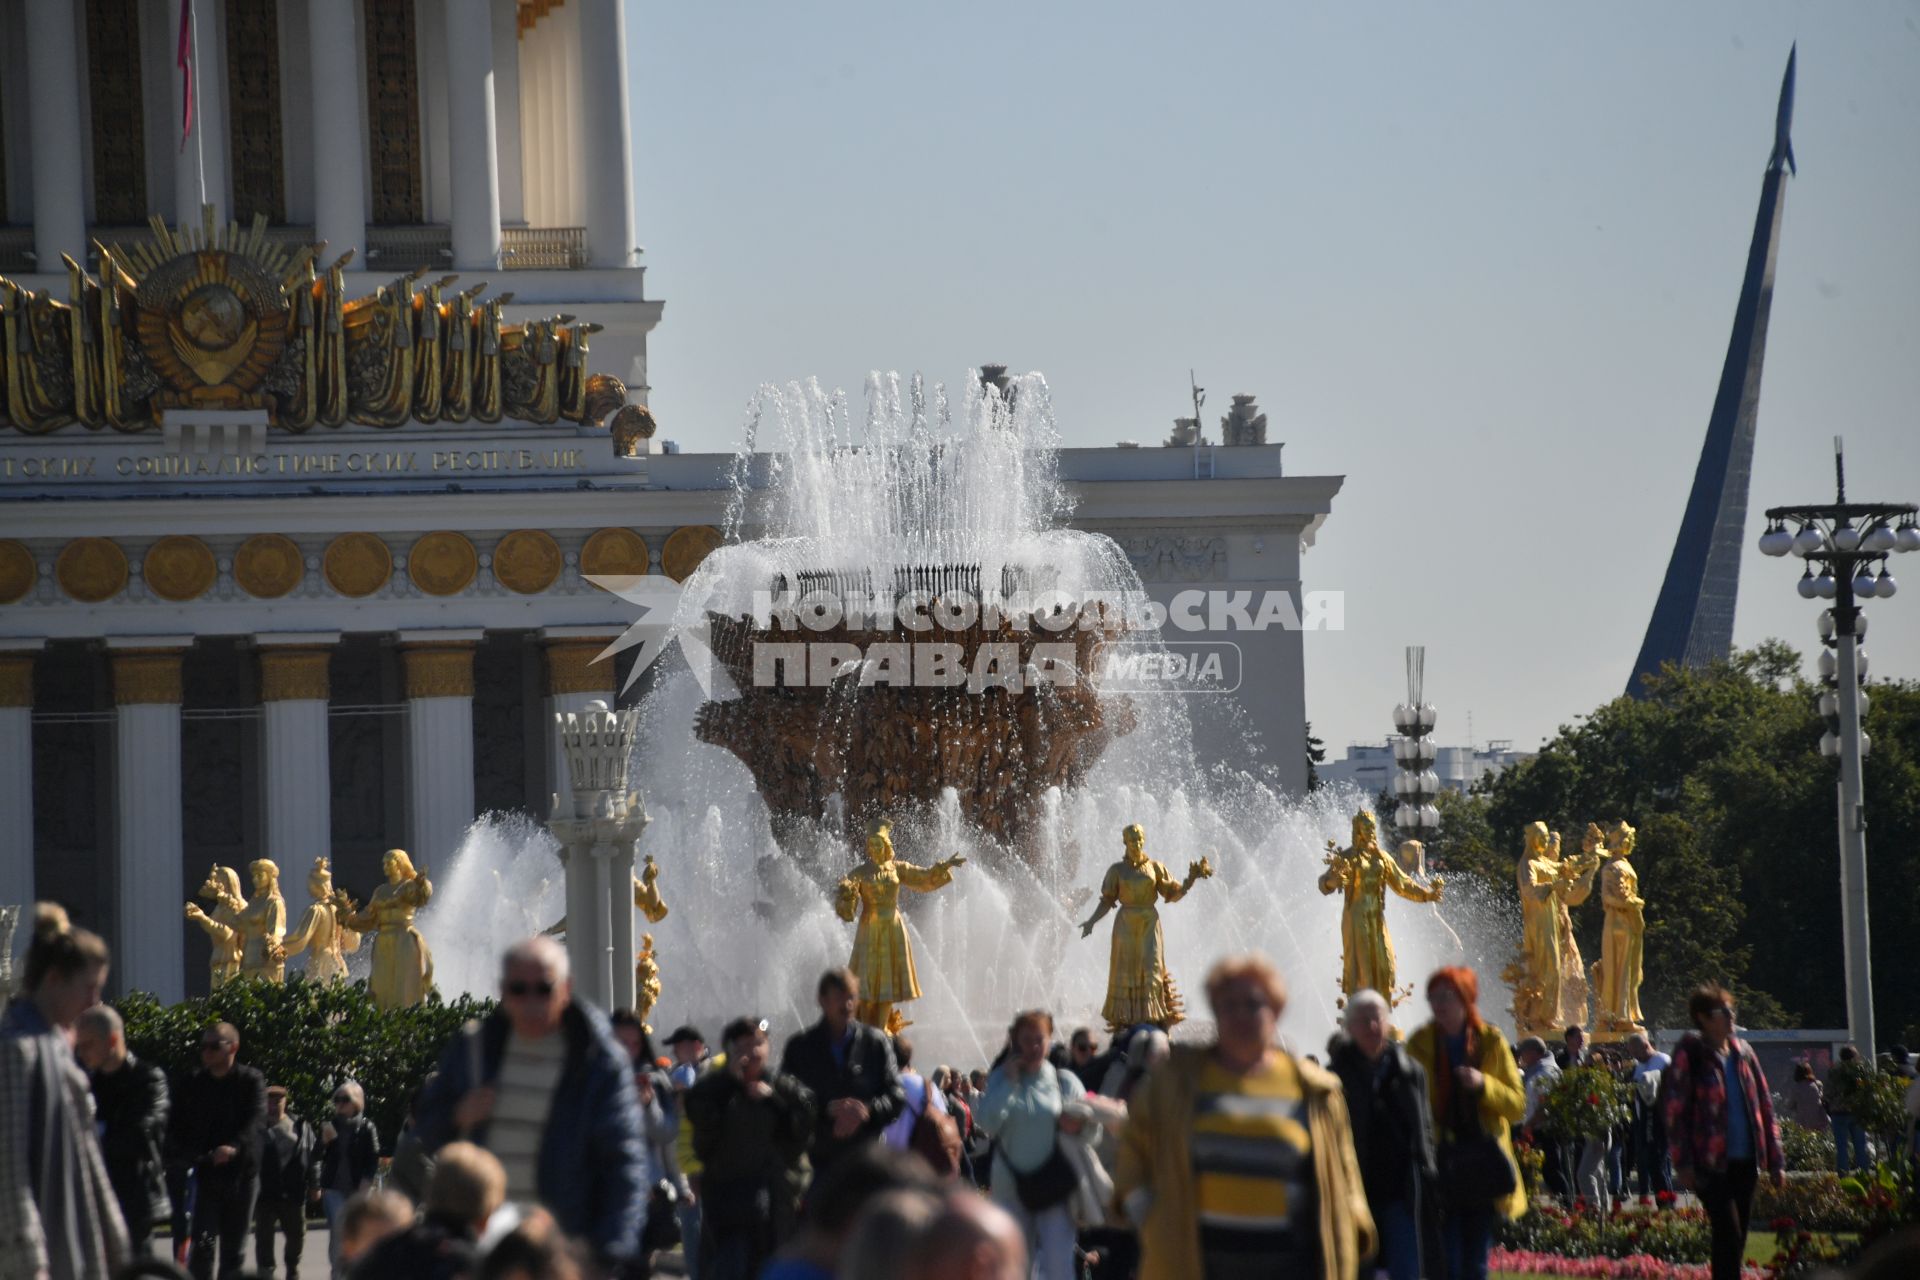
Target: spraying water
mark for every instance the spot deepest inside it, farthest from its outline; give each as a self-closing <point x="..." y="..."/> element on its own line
<point x="922" y="481"/>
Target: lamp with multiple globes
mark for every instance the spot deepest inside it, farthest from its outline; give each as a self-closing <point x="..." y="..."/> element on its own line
<point x="1417" y="784"/>
<point x="1846" y="546"/>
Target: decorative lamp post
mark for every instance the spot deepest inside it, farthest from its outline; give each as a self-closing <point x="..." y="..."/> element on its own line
<point x="597" y="832"/>
<point x="1417" y="784"/>
<point x="1844" y="541"/>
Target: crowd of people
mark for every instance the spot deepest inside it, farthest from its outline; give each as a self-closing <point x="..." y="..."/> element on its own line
<point x="553" y="1142"/>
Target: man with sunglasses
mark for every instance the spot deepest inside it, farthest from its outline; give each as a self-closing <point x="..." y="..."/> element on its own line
<point x="218" y="1125"/>
<point x="348" y="1161"/>
<point x="544" y="1086"/>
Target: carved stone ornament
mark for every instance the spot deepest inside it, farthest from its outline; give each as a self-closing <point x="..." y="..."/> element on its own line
<point x="293" y="675"/>
<point x="687" y="548"/>
<point x="357" y="564"/>
<point x="527" y="561"/>
<point x="268" y="565"/>
<point x="443" y="564"/>
<point x="571" y="667"/>
<point x="91" y="569"/>
<point x="146" y="676"/>
<point x="16" y="679"/>
<point x="438" y="670"/>
<point x="18" y="571"/>
<point x="614" y="553"/>
<point x="179" y="568"/>
<point x="1169" y="558"/>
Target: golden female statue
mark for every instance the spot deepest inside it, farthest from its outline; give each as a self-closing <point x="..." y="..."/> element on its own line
<point x="1573" y="887"/>
<point x="1617" y="975"/>
<point x="223" y="926"/>
<point x="1536" y="976"/>
<point x="1139" y="987"/>
<point x="320" y="931"/>
<point x="1365" y="873"/>
<point x="882" y="956"/>
<point x="263" y="926"/>
<point x="402" y="964"/>
<point x="646" y="981"/>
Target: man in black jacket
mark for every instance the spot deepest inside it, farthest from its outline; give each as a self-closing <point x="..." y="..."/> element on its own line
<point x="1387" y="1106"/>
<point x="849" y="1068"/>
<point x="287" y="1182"/>
<point x="217" y="1124"/>
<point x="130" y="1105"/>
<point x="349" y="1157"/>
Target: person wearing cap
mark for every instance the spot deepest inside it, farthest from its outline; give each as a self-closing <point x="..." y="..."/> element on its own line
<point x="688" y="1048"/>
<point x="289" y="1178"/>
<point x="751" y="1128"/>
<point x="216" y="1126"/>
<point x="349" y="1157"/>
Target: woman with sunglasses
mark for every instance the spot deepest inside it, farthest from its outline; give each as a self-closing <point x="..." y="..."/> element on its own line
<point x="1720" y="1126"/>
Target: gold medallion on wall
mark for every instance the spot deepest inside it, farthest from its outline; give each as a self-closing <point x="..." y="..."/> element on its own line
<point x="91" y="569"/>
<point x="687" y="548"/>
<point x="442" y="564"/>
<point x="18" y="572"/>
<point x="179" y="568"/>
<point x="614" y="553"/>
<point x="268" y="565"/>
<point x="357" y="564"/>
<point x="527" y="561"/>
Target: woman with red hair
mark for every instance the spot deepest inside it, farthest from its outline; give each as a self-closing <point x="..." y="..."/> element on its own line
<point x="1477" y="1098"/>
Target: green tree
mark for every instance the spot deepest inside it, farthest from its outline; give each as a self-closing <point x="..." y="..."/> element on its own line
<point x="1316" y="756"/>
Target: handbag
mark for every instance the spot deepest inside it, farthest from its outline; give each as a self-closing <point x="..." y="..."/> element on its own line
<point x="1054" y="1182"/>
<point x="1475" y="1173"/>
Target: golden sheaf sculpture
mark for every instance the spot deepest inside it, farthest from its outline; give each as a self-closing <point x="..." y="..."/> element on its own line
<point x="221" y="317"/>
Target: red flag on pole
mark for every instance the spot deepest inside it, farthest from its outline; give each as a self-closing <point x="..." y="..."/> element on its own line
<point x="184" y="60"/>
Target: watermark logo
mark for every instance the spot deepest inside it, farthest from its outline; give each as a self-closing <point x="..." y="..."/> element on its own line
<point x="954" y="639"/>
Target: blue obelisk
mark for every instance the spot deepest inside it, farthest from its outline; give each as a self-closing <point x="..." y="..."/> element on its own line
<point x="1692" y="621"/>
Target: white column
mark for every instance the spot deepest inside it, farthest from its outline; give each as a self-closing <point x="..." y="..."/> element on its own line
<point x="54" y="77"/>
<point x="506" y="110"/>
<point x="16" y="778"/>
<point x="200" y="166"/>
<point x="606" y="133"/>
<point x="475" y="168"/>
<point x="584" y="911"/>
<point x="293" y="739"/>
<point x="339" y="128"/>
<point x="439" y="674"/>
<point x="621" y="952"/>
<point x="605" y="906"/>
<point x="149" y="954"/>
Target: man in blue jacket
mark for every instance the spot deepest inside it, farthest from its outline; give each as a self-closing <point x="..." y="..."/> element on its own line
<point x="544" y="1086"/>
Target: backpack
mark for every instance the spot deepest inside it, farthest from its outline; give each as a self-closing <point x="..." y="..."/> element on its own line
<point x="936" y="1138"/>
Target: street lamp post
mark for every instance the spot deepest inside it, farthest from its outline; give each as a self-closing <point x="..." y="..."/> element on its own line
<point x="1417" y="784"/>
<point x="598" y="823"/>
<point x="1845" y="539"/>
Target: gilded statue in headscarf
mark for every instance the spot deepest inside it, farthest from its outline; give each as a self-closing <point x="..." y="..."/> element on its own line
<point x="1536" y="974"/>
<point x="223" y="926"/>
<point x="1617" y="975"/>
<point x="882" y="956"/>
<point x="646" y="982"/>
<point x="1140" y="988"/>
<point x="402" y="964"/>
<point x="1365" y="873"/>
<point x="320" y="932"/>
<point x="263" y="926"/>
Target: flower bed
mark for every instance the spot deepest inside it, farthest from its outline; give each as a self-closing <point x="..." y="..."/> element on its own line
<point x="1635" y="1267"/>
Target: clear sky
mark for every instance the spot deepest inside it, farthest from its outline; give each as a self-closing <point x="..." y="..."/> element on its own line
<point x="1481" y="259"/>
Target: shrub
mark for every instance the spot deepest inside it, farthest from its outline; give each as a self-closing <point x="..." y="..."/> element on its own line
<point x="1585" y="1102"/>
<point x="1807" y="1150"/>
<point x="308" y="1037"/>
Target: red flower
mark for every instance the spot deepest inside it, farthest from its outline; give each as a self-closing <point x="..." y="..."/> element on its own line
<point x="1782" y="1224"/>
<point x="1593" y="1099"/>
<point x="1665" y="1197"/>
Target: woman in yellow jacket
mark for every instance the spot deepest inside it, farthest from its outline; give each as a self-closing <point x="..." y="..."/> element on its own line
<point x="1469" y="1065"/>
<point x="1237" y="1159"/>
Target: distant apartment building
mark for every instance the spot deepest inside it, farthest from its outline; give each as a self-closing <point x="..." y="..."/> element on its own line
<point x="1369" y="765"/>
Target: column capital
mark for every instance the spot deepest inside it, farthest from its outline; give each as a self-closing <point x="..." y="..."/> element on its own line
<point x="16" y="678"/>
<point x="294" y="673"/>
<point x="571" y="667"/>
<point x="443" y="669"/>
<point x="146" y="675"/>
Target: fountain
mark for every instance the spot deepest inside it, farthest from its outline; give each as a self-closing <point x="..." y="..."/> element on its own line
<point x="759" y="788"/>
